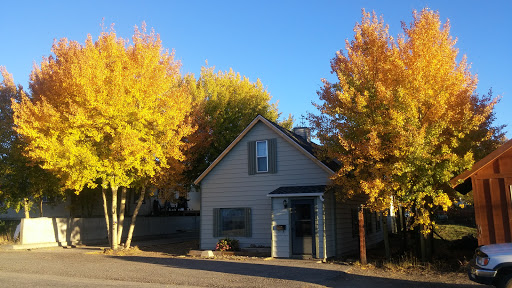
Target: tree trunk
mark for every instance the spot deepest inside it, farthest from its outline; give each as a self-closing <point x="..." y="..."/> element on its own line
<point x="26" y="208"/>
<point x="429" y="242"/>
<point x="40" y="207"/>
<point x="134" y="216"/>
<point x="105" y="210"/>
<point x="386" y="235"/>
<point x="362" y="239"/>
<point x="403" y="228"/>
<point x="113" y="232"/>
<point x="121" y="215"/>
<point x="423" y="245"/>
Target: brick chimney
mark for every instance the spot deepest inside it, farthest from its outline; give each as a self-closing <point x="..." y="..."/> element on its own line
<point x="303" y="132"/>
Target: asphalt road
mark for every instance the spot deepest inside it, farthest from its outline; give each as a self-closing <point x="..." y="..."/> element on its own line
<point x="85" y="267"/>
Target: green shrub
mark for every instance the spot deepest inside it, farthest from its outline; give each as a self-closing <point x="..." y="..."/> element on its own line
<point x="227" y="244"/>
<point x="7" y="229"/>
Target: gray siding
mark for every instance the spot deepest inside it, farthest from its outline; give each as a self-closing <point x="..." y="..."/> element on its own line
<point x="330" y="224"/>
<point x="281" y="247"/>
<point x="320" y="226"/>
<point x="346" y="243"/>
<point x="228" y="185"/>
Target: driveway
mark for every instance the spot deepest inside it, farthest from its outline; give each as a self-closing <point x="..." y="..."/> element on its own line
<point x="87" y="267"/>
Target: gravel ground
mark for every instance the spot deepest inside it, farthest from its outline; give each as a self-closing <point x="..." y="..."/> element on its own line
<point x="164" y="265"/>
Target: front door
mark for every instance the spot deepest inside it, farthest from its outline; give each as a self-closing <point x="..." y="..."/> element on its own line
<point x="303" y="225"/>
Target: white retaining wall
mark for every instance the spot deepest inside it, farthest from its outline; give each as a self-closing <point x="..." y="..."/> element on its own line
<point x="93" y="230"/>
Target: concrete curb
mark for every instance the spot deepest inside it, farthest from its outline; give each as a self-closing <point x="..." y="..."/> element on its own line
<point x="30" y="246"/>
<point x="141" y="242"/>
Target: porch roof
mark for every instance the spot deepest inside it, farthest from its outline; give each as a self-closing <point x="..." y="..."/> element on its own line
<point x="298" y="191"/>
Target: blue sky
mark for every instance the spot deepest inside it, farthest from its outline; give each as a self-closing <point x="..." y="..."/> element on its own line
<point x="286" y="44"/>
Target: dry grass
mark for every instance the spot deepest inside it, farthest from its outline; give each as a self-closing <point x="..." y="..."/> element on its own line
<point x="132" y="251"/>
<point x="409" y="264"/>
<point x="450" y="255"/>
<point x="5" y="240"/>
<point x="179" y="249"/>
<point x="408" y="270"/>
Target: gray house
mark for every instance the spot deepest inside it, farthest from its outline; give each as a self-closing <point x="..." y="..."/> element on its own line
<point x="268" y="189"/>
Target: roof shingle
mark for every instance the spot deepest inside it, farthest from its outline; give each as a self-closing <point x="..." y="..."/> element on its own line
<point x="299" y="190"/>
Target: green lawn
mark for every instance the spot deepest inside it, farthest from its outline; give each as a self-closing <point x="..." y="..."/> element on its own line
<point x="451" y="232"/>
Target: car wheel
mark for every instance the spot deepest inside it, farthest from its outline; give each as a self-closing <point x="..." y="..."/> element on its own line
<point x="505" y="281"/>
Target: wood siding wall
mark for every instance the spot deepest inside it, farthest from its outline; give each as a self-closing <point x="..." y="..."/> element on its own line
<point x="492" y="200"/>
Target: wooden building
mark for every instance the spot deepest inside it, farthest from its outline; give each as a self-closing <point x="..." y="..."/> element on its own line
<point x="491" y="181"/>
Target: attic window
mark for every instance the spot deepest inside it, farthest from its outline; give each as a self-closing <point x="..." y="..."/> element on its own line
<point x="261" y="156"/>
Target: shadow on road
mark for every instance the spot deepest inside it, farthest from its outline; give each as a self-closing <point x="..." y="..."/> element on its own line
<point x="331" y="276"/>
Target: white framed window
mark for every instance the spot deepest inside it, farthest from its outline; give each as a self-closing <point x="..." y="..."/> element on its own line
<point x="261" y="156"/>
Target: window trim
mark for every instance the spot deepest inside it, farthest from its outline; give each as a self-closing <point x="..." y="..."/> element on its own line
<point x="271" y="157"/>
<point x="266" y="157"/>
<point x="217" y="222"/>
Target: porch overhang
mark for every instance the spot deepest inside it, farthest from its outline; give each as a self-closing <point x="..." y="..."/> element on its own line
<point x="298" y="191"/>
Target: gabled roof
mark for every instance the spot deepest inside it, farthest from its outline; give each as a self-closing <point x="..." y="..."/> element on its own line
<point x="480" y="164"/>
<point x="311" y="147"/>
<point x="295" y="140"/>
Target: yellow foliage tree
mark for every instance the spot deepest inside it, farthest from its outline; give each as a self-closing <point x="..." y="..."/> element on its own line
<point x="441" y="111"/>
<point x="359" y="113"/>
<point x="107" y="110"/>
<point x="396" y="116"/>
<point x="226" y="102"/>
<point x="22" y="182"/>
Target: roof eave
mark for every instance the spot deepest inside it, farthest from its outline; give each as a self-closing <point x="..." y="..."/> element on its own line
<point x="286" y="195"/>
<point x="231" y="145"/>
<point x="482" y="163"/>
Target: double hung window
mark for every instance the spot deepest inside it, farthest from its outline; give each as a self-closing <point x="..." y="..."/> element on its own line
<point x="261" y="156"/>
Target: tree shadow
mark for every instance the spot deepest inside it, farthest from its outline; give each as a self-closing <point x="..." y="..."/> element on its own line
<point x="328" y="275"/>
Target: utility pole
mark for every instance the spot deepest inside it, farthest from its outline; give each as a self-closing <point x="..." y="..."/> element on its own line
<point x="362" y="238"/>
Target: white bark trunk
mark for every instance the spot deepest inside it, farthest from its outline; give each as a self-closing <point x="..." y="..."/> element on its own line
<point x="26" y="208"/>
<point x="40" y="207"/>
<point x="114" y="219"/>
<point x="121" y="215"/>
<point x="134" y="216"/>
<point x="105" y="210"/>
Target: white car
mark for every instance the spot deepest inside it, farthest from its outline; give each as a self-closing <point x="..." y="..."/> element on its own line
<point x="492" y="265"/>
